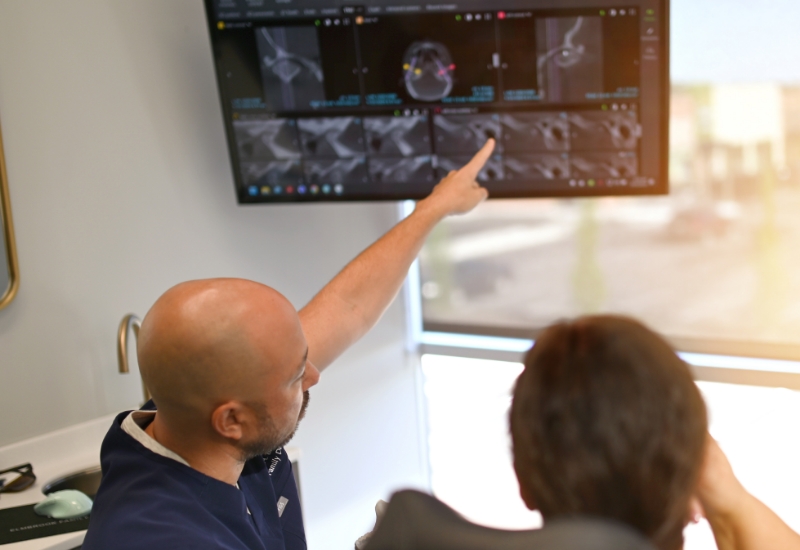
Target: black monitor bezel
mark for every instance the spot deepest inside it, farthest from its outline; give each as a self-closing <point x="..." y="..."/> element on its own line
<point x="661" y="188"/>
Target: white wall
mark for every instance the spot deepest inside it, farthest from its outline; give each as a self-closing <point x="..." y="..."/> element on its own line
<point x="121" y="187"/>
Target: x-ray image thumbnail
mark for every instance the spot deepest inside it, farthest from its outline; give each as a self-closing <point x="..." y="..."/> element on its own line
<point x="340" y="137"/>
<point x="402" y="170"/>
<point x="291" y="68"/>
<point x="569" y="57"/>
<point x="492" y="171"/>
<point x="427" y="68"/>
<point x="266" y="139"/>
<point x="529" y="132"/>
<point x="277" y="172"/>
<point x="345" y="171"/>
<point x="604" y="130"/>
<point x="427" y="57"/>
<point x="465" y="134"/>
<point x="621" y="164"/>
<point x="536" y="167"/>
<point x="397" y="136"/>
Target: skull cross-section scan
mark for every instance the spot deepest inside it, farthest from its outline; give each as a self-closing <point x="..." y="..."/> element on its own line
<point x="427" y="71"/>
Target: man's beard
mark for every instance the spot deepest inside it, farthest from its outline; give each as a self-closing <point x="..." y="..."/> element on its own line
<point x="268" y="437"/>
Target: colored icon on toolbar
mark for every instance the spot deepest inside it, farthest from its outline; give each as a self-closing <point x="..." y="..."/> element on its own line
<point x="326" y="189"/>
<point x="278" y="190"/>
<point x="253" y="190"/>
<point x="266" y="190"/>
<point x="338" y="189"/>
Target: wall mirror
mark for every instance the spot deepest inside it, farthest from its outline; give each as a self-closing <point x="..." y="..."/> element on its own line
<point x="9" y="268"/>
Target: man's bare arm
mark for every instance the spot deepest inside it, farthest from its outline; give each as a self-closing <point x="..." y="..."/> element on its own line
<point x="353" y="302"/>
<point x="739" y="520"/>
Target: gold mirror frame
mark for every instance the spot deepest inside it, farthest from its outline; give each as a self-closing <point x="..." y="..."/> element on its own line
<point x="8" y="234"/>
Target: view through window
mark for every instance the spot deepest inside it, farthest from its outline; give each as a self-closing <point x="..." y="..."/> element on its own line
<point x="714" y="265"/>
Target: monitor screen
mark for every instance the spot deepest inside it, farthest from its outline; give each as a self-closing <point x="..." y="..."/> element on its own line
<point x="330" y="101"/>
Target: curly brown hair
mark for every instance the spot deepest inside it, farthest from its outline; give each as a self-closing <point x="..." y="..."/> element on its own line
<point x="607" y="421"/>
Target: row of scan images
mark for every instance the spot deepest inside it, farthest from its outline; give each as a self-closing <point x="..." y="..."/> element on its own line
<point x="261" y="138"/>
<point x="427" y="169"/>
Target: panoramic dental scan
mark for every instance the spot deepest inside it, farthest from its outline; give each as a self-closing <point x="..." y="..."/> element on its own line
<point x="328" y="101"/>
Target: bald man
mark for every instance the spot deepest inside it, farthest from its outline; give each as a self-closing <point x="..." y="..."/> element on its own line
<point x="229" y="364"/>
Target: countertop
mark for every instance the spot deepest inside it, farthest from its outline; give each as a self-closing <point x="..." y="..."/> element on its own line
<point x="52" y="456"/>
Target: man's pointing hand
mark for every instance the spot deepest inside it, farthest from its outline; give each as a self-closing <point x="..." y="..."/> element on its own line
<point x="460" y="192"/>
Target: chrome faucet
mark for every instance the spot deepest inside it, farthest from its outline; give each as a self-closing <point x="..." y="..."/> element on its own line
<point x="129" y="322"/>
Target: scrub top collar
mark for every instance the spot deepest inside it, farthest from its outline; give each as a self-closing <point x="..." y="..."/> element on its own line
<point x="134" y="426"/>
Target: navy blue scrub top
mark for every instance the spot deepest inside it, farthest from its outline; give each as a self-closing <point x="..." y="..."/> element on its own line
<point x="148" y="501"/>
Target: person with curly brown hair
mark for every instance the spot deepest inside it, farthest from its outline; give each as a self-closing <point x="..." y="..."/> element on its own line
<point x="609" y="433"/>
<point x="608" y="422"/>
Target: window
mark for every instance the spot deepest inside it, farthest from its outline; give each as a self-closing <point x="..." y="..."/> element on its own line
<point x="715" y="265"/>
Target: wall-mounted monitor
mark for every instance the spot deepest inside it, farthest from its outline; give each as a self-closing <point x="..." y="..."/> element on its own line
<point x="331" y="101"/>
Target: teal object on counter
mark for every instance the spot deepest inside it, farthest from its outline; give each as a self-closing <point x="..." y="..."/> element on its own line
<point x="64" y="505"/>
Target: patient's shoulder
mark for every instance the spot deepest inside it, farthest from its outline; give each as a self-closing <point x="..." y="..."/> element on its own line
<point x="416" y="521"/>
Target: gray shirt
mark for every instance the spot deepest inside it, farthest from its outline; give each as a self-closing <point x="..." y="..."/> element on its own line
<point x="416" y="521"/>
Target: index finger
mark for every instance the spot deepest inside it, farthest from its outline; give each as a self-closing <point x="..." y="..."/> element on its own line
<point x="473" y="167"/>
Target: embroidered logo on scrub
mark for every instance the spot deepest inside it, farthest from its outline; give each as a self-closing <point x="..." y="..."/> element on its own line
<point x="282" y="502"/>
<point x="275" y="461"/>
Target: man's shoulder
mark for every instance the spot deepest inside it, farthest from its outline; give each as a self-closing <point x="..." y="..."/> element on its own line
<point x="148" y="508"/>
<point x="142" y="492"/>
<point x="147" y="495"/>
<point x="141" y="533"/>
<point x="416" y="521"/>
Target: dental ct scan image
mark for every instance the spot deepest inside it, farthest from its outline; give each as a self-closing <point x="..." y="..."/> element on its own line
<point x="291" y="66"/>
<point x="331" y="101"/>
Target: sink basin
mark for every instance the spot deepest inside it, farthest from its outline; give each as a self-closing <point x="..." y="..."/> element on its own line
<point x="86" y="481"/>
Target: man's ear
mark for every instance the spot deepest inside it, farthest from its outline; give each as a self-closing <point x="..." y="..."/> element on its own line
<point x="227" y="420"/>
